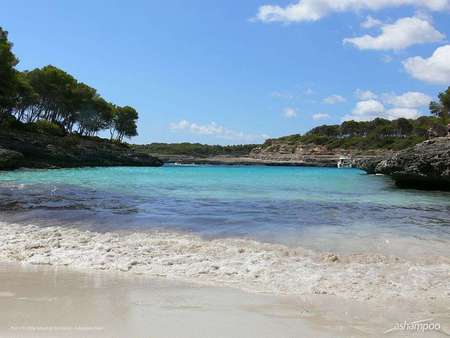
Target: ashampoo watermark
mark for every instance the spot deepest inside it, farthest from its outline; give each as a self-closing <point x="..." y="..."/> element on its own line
<point x="422" y="325"/>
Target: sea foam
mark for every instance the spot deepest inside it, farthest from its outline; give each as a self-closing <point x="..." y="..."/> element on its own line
<point x="246" y="264"/>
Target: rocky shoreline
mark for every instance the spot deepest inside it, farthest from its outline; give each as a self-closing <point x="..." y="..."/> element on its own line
<point x="424" y="166"/>
<point x="281" y="154"/>
<point x="312" y="161"/>
<point x="35" y="150"/>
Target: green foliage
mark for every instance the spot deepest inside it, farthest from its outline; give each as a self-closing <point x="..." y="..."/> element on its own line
<point x="52" y="95"/>
<point x="376" y="134"/>
<point x="124" y="122"/>
<point x="47" y="127"/>
<point x="441" y="109"/>
<point x="379" y="133"/>
<point x="8" y="75"/>
<point x="10" y="122"/>
<point x="195" y="149"/>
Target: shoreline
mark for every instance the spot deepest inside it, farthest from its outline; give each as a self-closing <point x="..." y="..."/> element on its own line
<point x="214" y="160"/>
<point x="47" y="301"/>
<point x="27" y="149"/>
<point x="322" y="161"/>
<point x="241" y="263"/>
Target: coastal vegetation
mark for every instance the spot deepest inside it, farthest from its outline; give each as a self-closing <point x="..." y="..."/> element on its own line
<point x="441" y="108"/>
<point x="379" y="133"/>
<point x="51" y="100"/>
<point x="195" y="149"/>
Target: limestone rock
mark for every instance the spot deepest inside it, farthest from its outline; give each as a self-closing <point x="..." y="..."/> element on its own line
<point x="426" y="165"/>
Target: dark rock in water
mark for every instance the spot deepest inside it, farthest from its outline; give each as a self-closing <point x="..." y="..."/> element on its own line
<point x="10" y="159"/>
<point x="368" y="164"/>
<point x="425" y="166"/>
<point x="35" y="150"/>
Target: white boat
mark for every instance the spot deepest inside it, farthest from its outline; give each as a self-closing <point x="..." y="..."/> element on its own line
<point x="344" y="162"/>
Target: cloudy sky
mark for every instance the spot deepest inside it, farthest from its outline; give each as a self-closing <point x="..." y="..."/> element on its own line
<point x="241" y="71"/>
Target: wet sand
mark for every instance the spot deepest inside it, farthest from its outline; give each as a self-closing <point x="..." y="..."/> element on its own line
<point x="40" y="301"/>
<point x="49" y="302"/>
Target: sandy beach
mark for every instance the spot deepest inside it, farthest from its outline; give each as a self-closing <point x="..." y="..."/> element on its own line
<point x="55" y="302"/>
<point x="66" y="282"/>
<point x="49" y="302"/>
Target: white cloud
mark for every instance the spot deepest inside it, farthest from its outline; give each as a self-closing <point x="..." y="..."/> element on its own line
<point x="395" y="113"/>
<point x="368" y="107"/>
<point x="182" y="125"/>
<point x="401" y="34"/>
<point x="313" y="10"/>
<point x="334" y="99"/>
<point x="320" y="116"/>
<point x="290" y="113"/>
<point x="365" y="95"/>
<point x="435" y="69"/>
<point x="405" y="105"/>
<point x="370" y="23"/>
<point x="408" y="100"/>
<point x="216" y="130"/>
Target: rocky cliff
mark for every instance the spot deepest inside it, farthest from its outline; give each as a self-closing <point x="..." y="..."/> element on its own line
<point x="36" y="150"/>
<point x="424" y="166"/>
<point x="308" y="154"/>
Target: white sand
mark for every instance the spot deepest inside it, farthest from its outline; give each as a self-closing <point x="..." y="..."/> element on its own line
<point x="59" y="302"/>
<point x="103" y="284"/>
<point x="45" y="302"/>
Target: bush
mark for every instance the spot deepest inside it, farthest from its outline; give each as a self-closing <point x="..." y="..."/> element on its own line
<point x="195" y="149"/>
<point x="376" y="134"/>
<point x="10" y="122"/>
<point x="49" y="128"/>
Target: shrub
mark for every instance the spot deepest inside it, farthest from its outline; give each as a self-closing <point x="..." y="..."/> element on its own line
<point x="49" y="128"/>
<point x="10" y="122"/>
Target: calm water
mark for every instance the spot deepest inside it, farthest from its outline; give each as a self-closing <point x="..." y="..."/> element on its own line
<point x="314" y="207"/>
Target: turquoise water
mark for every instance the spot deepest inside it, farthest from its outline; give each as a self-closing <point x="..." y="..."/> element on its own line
<point x="289" y="205"/>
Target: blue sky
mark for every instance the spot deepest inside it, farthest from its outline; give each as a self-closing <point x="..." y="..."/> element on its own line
<point x="226" y="72"/>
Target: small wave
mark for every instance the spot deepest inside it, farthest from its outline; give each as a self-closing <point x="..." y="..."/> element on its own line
<point x="246" y="264"/>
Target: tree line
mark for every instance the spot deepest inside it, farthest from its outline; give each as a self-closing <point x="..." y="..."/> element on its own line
<point x="195" y="149"/>
<point x="53" y="96"/>
<point x="380" y="133"/>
